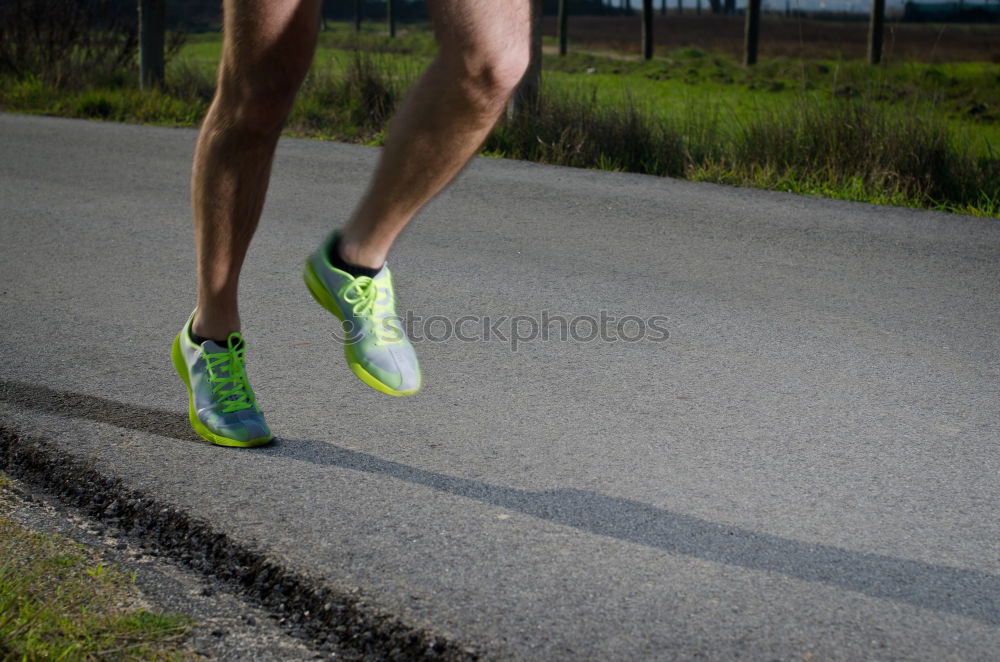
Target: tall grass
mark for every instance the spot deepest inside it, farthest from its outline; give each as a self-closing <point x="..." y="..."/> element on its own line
<point x="855" y="145"/>
<point x="851" y="148"/>
<point x="814" y="139"/>
<point x="351" y="103"/>
<point x="71" y="44"/>
<point x="576" y="131"/>
<point x="65" y="42"/>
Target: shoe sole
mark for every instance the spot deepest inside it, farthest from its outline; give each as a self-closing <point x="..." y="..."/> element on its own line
<point x="323" y="298"/>
<point x="181" y="367"/>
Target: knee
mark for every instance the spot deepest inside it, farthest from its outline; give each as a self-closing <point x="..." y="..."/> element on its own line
<point x="503" y="70"/>
<point x="259" y="103"/>
<point x="490" y="74"/>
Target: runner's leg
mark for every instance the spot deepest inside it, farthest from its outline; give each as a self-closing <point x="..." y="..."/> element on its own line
<point x="483" y="53"/>
<point x="267" y="49"/>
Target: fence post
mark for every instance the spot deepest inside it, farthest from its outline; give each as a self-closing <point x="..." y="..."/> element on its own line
<point x="357" y="15"/>
<point x="750" y="32"/>
<point x="647" y="29"/>
<point x="390" y="10"/>
<point x="875" y="29"/>
<point x="563" y="15"/>
<point x="525" y="97"/>
<point x="152" y="34"/>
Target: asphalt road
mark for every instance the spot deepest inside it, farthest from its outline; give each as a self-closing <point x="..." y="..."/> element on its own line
<point x="806" y="468"/>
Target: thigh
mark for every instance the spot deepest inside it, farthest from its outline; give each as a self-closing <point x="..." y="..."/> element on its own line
<point x="268" y="40"/>
<point x="492" y="27"/>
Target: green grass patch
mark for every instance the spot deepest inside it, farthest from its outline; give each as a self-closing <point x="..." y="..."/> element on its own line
<point x="120" y="104"/>
<point x="59" y="601"/>
<point x="351" y="98"/>
<point x="911" y="134"/>
<point x="966" y="95"/>
<point x="845" y="148"/>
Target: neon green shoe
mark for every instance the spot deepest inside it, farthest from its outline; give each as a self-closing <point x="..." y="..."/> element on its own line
<point x="221" y="405"/>
<point x="376" y="346"/>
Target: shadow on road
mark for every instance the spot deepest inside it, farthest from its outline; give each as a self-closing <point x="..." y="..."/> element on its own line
<point x="967" y="593"/>
<point x="101" y="410"/>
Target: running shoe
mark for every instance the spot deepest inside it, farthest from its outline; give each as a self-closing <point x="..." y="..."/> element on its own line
<point x="375" y="343"/>
<point x="222" y="407"/>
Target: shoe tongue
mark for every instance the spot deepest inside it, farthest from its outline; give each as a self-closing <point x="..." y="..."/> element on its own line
<point x="213" y="347"/>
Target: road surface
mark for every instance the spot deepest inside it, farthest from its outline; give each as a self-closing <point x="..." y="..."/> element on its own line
<point x="805" y="467"/>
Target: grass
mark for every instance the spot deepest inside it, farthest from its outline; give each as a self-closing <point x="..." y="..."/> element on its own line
<point x="907" y="133"/>
<point x="844" y="149"/>
<point x="966" y="95"/>
<point x="60" y="601"/>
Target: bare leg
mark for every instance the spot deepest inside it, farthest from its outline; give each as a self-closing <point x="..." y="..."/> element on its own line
<point x="267" y="48"/>
<point x="484" y="50"/>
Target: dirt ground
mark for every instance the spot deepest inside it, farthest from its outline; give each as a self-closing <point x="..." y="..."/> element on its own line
<point x="791" y="37"/>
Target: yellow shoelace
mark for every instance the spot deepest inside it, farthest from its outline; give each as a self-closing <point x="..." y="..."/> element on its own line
<point x="228" y="376"/>
<point x="362" y="294"/>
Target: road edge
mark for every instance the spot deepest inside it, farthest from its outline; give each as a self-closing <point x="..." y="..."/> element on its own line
<point x="325" y="614"/>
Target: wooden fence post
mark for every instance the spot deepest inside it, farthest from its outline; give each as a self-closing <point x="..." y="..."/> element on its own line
<point x="152" y="35"/>
<point x="876" y="25"/>
<point x="525" y="97"/>
<point x="647" y="29"/>
<point x="751" y="32"/>
<point x="563" y="15"/>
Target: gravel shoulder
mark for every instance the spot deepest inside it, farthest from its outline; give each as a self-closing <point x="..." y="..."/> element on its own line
<point x="227" y="627"/>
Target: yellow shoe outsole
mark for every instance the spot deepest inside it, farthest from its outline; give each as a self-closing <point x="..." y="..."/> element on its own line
<point x="181" y="367"/>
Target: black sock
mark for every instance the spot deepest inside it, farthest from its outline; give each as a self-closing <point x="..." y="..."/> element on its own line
<point x="198" y="340"/>
<point x="353" y="269"/>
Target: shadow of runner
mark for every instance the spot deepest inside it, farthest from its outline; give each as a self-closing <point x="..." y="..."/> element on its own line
<point x="101" y="410"/>
<point x="967" y="593"/>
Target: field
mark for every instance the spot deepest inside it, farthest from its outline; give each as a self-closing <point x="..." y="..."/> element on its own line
<point x="793" y="37"/>
<point x="812" y="117"/>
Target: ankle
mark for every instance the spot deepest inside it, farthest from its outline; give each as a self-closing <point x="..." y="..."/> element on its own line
<point x="216" y="327"/>
<point x="360" y="253"/>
